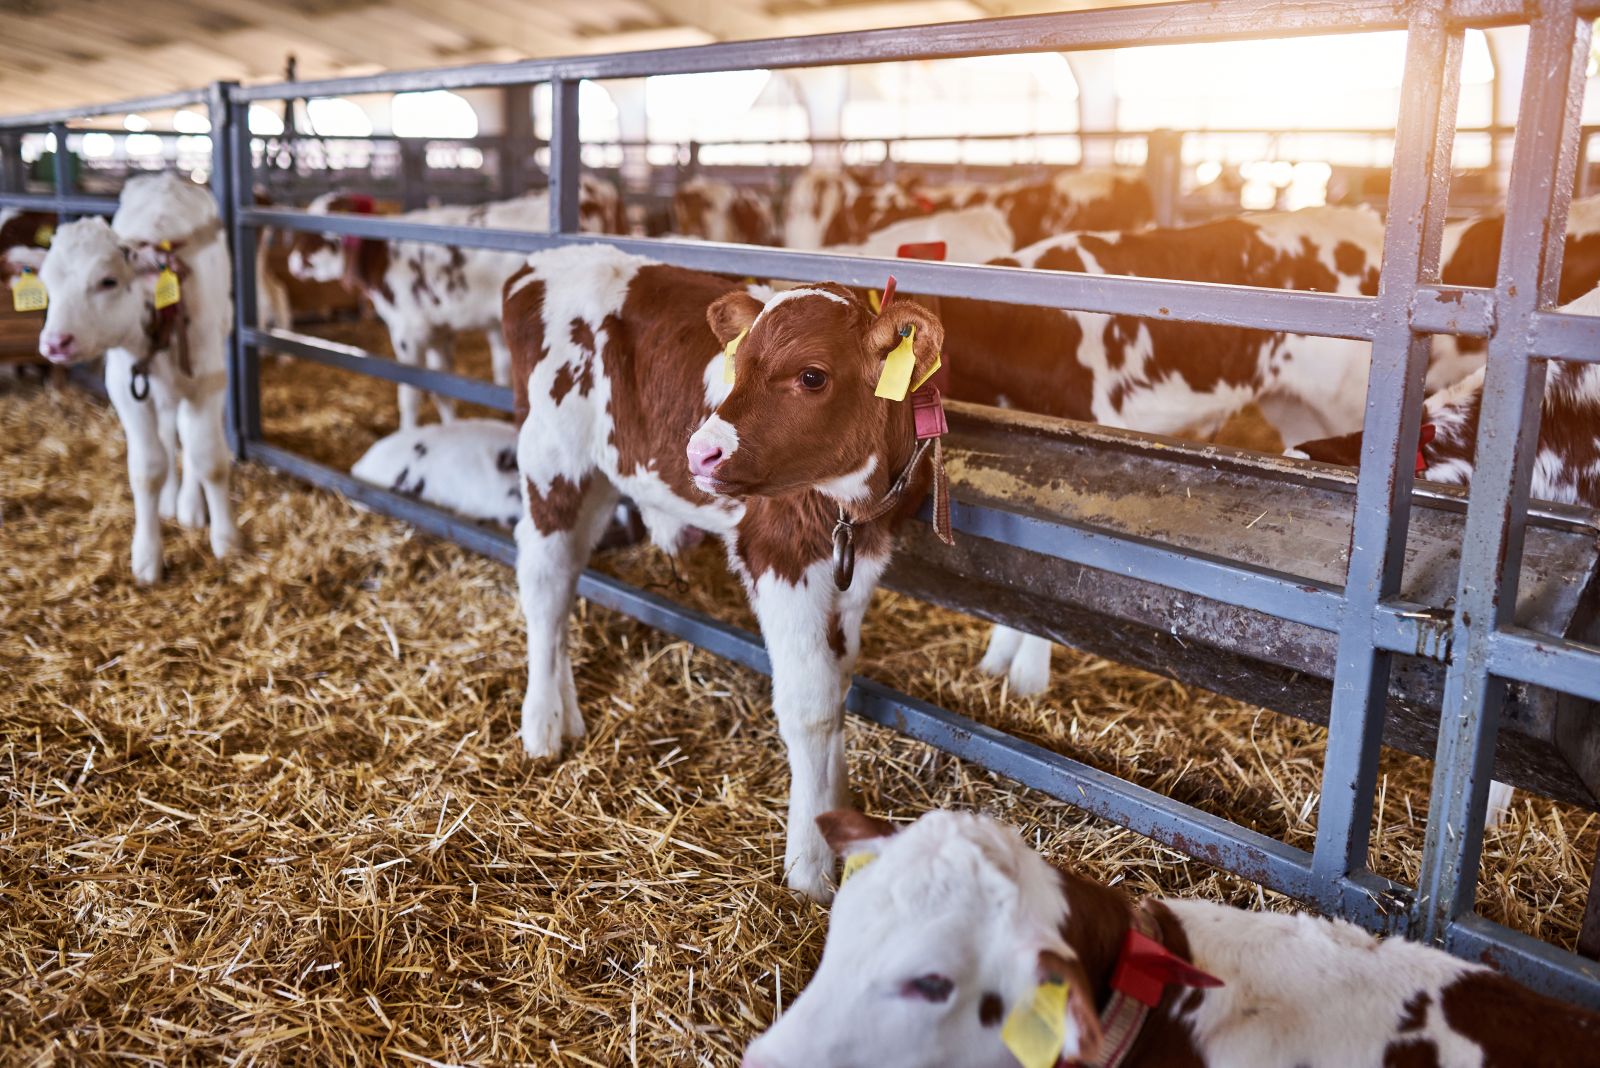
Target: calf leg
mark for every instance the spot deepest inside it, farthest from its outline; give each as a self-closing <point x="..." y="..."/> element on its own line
<point x="812" y="634"/>
<point x="408" y="350"/>
<point x="170" y="501"/>
<point x="148" y="465"/>
<point x="441" y="357"/>
<point x="1024" y="658"/>
<point x="554" y="539"/>
<point x="500" y="355"/>
<point x="205" y="462"/>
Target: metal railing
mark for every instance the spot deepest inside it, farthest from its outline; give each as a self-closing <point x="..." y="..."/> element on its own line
<point x="1367" y="616"/>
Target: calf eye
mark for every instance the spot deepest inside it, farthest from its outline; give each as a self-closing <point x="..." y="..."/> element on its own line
<point x="934" y="988"/>
<point x="108" y="283"/>
<point x="813" y="378"/>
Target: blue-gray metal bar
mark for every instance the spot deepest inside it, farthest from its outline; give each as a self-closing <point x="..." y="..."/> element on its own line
<point x="1126" y="27"/>
<point x="1557" y="663"/>
<point x="1566" y="337"/>
<point x="1325" y="314"/>
<point x="1418" y="192"/>
<point x="1529" y="961"/>
<point x="220" y="113"/>
<point x="38" y="120"/>
<point x="361" y="362"/>
<point x="61" y="165"/>
<point x="244" y="382"/>
<point x="71" y="205"/>
<point x="1543" y="159"/>
<point x="564" y="158"/>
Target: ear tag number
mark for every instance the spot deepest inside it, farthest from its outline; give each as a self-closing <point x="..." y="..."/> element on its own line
<point x="1036" y="1030"/>
<point x="28" y="293"/>
<point x="854" y="863"/>
<point x="44" y="235"/>
<point x="727" y="356"/>
<point x="167" y="291"/>
<point x="895" y="380"/>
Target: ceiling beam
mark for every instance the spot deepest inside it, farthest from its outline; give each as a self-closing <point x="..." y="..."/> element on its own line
<point x="722" y="19"/>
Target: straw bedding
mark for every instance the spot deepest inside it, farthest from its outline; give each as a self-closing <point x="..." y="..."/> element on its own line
<point x="275" y="811"/>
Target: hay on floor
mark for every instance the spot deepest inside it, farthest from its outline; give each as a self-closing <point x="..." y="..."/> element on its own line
<point x="274" y="809"/>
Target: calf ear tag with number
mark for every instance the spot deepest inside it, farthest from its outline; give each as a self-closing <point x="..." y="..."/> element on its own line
<point x="895" y="380"/>
<point x="727" y="356"/>
<point x="167" y="290"/>
<point x="28" y="293"/>
<point x="1036" y="1030"/>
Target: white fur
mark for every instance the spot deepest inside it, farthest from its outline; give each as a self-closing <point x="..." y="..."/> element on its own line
<point x="852" y="487"/>
<point x="794" y="294"/>
<point x="715" y="433"/>
<point x="962" y="896"/>
<point x="110" y="321"/>
<point x="468" y="466"/>
<point x="971" y="235"/>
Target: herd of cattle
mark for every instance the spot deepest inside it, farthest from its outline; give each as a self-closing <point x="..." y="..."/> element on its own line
<point x="790" y="421"/>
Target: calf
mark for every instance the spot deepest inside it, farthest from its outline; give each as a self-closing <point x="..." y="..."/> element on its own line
<point x="468" y="466"/>
<point x="35" y="229"/>
<point x="617" y="360"/>
<point x="166" y="371"/>
<point x="953" y="943"/>
<point x="714" y="210"/>
<point x="428" y="293"/>
<point x="963" y="235"/>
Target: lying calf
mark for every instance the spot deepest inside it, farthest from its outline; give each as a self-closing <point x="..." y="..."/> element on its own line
<point x="617" y="360"/>
<point x="468" y="466"/>
<point x="955" y="944"/>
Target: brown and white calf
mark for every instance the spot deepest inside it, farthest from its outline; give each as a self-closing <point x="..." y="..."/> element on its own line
<point x="715" y="210"/>
<point x="953" y="943"/>
<point x="617" y="361"/>
<point x="427" y="293"/>
<point x="167" y="375"/>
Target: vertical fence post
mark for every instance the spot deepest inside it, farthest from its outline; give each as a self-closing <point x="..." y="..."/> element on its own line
<point x="1412" y="238"/>
<point x="243" y="360"/>
<point x="1163" y="170"/>
<point x="217" y="96"/>
<point x="13" y="177"/>
<point x="62" y="168"/>
<point x="564" y="156"/>
<point x="1543" y="157"/>
<point x="516" y="139"/>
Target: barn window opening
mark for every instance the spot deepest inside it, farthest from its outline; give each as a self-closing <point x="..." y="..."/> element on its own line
<point x="264" y="122"/>
<point x="190" y="122"/>
<point x="437" y="113"/>
<point x="334" y="116"/>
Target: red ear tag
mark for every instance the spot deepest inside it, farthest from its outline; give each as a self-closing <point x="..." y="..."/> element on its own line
<point x="888" y="294"/>
<point x="1146" y="967"/>
<point x="361" y="204"/>
<point x="927" y="409"/>
<point x="921" y="250"/>
<point x="925" y="203"/>
<point x="1424" y="437"/>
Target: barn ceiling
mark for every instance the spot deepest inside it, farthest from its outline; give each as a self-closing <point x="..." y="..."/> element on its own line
<point x="56" y="53"/>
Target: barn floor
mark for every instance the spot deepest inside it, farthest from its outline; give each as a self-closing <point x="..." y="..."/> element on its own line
<point x="274" y="809"/>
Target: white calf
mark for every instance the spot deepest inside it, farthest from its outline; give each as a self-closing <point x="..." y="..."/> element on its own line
<point x="468" y="466"/>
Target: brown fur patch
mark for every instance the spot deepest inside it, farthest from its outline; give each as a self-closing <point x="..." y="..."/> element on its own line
<point x="1516" y="1027"/>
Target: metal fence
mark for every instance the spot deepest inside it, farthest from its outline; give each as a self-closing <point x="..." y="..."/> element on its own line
<point x="1369" y="620"/>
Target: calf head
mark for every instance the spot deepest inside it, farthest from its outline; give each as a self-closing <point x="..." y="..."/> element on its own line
<point x="355" y="261"/>
<point x="802" y="414"/>
<point x="102" y="291"/>
<point x="943" y="930"/>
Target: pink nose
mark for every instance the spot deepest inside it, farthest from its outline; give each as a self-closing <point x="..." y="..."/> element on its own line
<point x="54" y="346"/>
<point x="704" y="457"/>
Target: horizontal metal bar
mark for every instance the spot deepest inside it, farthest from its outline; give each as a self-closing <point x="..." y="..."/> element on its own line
<point x="1290" y="597"/>
<point x="1412" y="629"/>
<point x="1549" y="969"/>
<point x="1554" y="663"/>
<point x="1560" y="336"/>
<point x="362" y="362"/>
<point x="1325" y="314"/>
<point x="68" y="205"/>
<point x="1127" y="27"/>
<point x="164" y="102"/>
<point x="1453" y="310"/>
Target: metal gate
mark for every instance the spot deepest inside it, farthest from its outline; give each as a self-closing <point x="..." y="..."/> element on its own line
<point x="1482" y="650"/>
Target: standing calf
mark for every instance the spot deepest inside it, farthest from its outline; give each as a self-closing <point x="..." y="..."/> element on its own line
<point x="166" y="373"/>
<point x="954" y="931"/>
<point x="617" y="360"/>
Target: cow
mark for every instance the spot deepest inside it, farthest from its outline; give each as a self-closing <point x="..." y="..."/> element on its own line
<point x="952" y="942"/>
<point x="963" y="235"/>
<point x="714" y="210"/>
<point x="428" y="293"/>
<point x="468" y="466"/>
<point x="616" y="360"/>
<point x="842" y="208"/>
<point x="166" y="370"/>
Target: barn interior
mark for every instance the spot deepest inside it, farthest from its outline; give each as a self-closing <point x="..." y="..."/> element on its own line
<point x="274" y="808"/>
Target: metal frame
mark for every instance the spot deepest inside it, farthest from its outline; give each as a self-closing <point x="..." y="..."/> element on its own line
<point x="1367" y="616"/>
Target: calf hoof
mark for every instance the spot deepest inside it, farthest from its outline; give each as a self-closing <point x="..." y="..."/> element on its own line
<point x="1501" y="797"/>
<point x="810" y="870"/>
<point x="147" y="566"/>
<point x="191" y="510"/>
<point x="1030" y="668"/>
<point x="225" y="541"/>
<point x="541" y="735"/>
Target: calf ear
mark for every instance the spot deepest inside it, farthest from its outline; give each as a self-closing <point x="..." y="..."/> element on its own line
<point x="731" y="315"/>
<point x="146" y="259"/>
<point x="889" y="327"/>
<point x="13" y="261"/>
<point x="845" y="828"/>
<point x="1083" y="1036"/>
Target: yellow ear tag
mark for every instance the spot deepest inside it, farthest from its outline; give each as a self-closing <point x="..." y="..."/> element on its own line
<point x="1036" y="1030"/>
<point x="854" y="863"/>
<point x="874" y="300"/>
<point x="44" y="235"/>
<point x="167" y="293"/>
<point x="28" y="293"/>
<point x="895" y="381"/>
<point x="938" y="361"/>
<point x="727" y="357"/>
